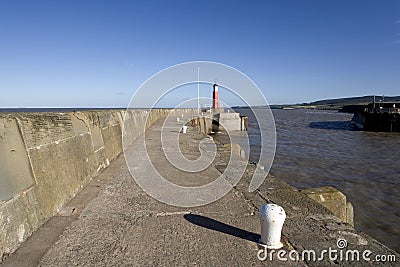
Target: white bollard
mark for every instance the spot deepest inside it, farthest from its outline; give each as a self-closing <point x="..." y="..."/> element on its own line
<point x="177" y="119"/>
<point x="182" y="115"/>
<point x="272" y="218"/>
<point x="184" y="129"/>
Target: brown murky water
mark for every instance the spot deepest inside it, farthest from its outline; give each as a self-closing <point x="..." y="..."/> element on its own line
<point x="317" y="148"/>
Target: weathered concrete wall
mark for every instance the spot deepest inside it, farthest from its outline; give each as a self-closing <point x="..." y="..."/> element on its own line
<point x="203" y="123"/>
<point x="46" y="158"/>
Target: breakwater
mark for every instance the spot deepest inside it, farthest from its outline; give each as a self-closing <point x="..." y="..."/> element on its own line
<point x="119" y="225"/>
<point x="47" y="157"/>
<point x="377" y="117"/>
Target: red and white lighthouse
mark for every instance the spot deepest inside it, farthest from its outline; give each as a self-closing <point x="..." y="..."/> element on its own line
<point x="215" y="103"/>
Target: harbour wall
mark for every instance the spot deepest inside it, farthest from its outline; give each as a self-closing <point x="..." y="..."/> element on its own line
<point x="46" y="158"/>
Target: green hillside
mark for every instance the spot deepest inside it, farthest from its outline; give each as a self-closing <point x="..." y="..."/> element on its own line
<point x="354" y="100"/>
<point x="338" y="103"/>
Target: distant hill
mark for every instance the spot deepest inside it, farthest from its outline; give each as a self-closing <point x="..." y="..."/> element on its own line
<point x="338" y="103"/>
<point x="354" y="100"/>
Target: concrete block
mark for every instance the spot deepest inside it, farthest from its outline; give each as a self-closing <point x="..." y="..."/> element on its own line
<point x="331" y="198"/>
<point x="229" y="121"/>
<point x="112" y="141"/>
<point x="15" y="170"/>
<point x="204" y="124"/>
<point x="349" y="213"/>
<point x="244" y="123"/>
<point x="46" y="127"/>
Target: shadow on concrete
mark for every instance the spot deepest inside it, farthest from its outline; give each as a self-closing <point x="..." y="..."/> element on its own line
<point x="221" y="227"/>
<point x="333" y="125"/>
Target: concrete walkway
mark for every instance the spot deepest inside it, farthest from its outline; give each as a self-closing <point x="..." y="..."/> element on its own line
<point x="113" y="222"/>
<point x="123" y="226"/>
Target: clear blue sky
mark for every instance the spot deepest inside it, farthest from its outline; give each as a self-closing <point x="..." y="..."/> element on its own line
<point x="97" y="53"/>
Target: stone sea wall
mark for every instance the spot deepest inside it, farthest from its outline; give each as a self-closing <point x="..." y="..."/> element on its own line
<point x="46" y="158"/>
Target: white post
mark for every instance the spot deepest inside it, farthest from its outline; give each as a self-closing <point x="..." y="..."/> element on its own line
<point x="272" y="218"/>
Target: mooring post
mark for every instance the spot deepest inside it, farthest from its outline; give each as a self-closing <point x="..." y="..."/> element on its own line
<point x="272" y="218"/>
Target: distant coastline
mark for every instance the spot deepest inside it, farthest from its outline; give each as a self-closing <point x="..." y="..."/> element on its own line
<point x="338" y="103"/>
<point x="333" y="104"/>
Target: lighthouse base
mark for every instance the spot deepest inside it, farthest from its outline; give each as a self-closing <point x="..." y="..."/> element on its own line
<point x="230" y="121"/>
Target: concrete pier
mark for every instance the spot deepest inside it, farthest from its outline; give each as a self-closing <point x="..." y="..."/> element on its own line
<point x="113" y="222"/>
<point x="46" y="158"/>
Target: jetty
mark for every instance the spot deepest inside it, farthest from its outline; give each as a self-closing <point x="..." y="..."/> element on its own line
<point x="378" y="117"/>
<point x="72" y="201"/>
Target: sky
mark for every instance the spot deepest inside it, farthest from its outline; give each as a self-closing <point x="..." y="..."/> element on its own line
<point x="91" y="53"/>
